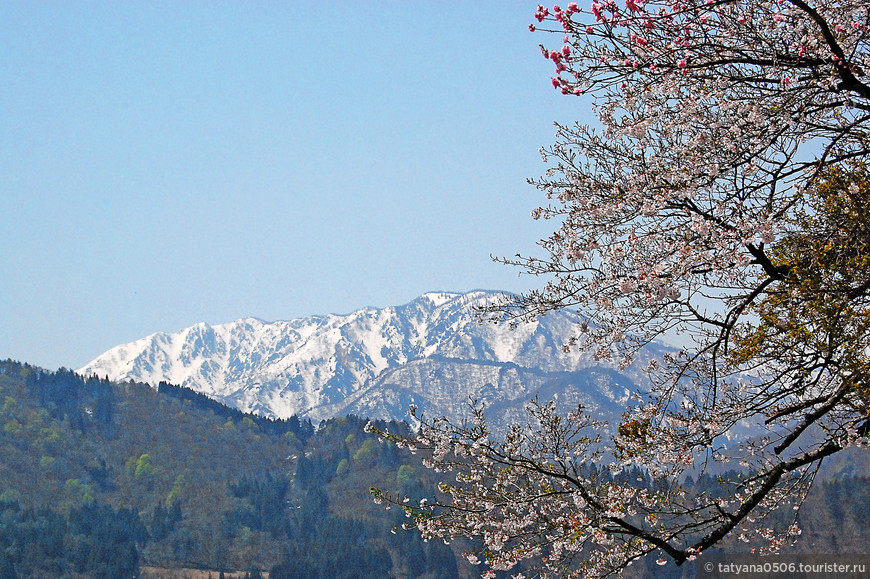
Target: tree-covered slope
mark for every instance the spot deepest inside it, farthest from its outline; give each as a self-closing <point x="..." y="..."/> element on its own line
<point x="98" y="479"/>
<point x="170" y="478"/>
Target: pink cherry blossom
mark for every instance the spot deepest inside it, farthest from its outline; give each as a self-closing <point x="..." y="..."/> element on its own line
<point x="674" y="211"/>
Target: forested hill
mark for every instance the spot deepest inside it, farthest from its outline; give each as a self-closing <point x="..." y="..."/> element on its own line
<point x="100" y="479"/>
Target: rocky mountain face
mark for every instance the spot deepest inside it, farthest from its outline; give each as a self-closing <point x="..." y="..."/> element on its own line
<point x="432" y="352"/>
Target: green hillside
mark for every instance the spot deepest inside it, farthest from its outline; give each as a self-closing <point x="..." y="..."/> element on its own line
<point x="99" y="479"/>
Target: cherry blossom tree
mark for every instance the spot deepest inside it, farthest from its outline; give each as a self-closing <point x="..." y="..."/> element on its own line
<point x="723" y="196"/>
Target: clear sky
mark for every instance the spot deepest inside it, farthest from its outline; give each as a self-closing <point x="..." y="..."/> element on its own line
<point x="165" y="163"/>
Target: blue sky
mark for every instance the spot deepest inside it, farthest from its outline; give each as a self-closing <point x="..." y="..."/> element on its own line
<point x="166" y="163"/>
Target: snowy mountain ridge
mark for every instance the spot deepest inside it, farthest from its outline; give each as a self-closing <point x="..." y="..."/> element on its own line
<point x="433" y="352"/>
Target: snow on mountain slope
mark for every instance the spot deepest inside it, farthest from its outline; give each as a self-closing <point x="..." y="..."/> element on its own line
<point x="432" y="351"/>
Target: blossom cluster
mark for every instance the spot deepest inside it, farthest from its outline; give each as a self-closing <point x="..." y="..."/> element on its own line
<point x="716" y="198"/>
<point x="537" y="498"/>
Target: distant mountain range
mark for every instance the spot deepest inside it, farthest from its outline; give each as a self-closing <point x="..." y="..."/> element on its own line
<point x="433" y="352"/>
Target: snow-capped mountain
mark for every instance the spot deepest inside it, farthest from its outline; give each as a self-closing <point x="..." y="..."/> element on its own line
<point x="432" y="352"/>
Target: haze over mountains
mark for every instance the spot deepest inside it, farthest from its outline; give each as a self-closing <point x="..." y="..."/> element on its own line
<point x="433" y="352"/>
